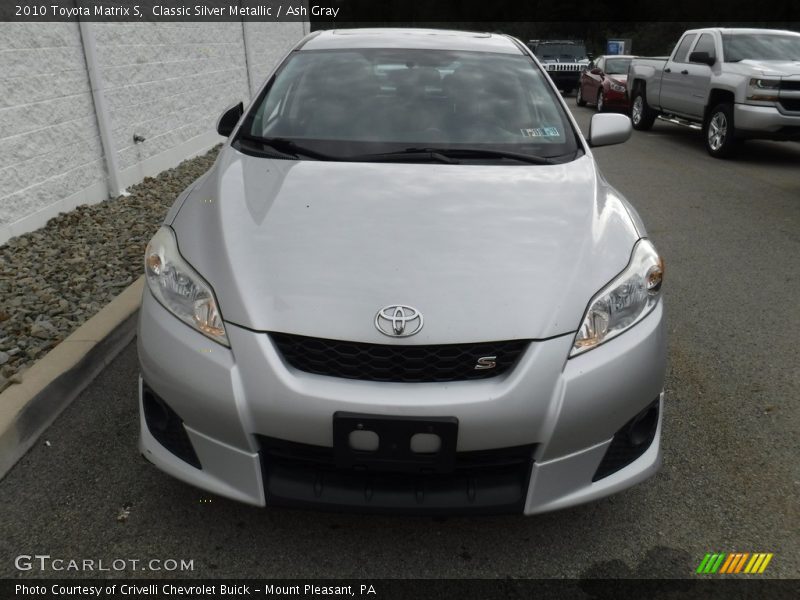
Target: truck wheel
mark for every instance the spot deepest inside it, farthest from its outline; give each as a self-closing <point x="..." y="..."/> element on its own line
<point x="579" y="97"/>
<point x="719" y="132"/>
<point x="601" y="101"/>
<point x="642" y="116"/>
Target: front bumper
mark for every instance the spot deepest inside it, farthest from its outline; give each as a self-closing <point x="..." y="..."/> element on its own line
<point x="566" y="411"/>
<point x="565" y="80"/>
<point x="616" y="99"/>
<point x="765" y="122"/>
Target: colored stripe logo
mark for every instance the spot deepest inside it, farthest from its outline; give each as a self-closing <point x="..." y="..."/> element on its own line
<point x="734" y="562"/>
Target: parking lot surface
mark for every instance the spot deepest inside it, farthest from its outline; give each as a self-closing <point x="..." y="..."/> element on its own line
<point x="730" y="235"/>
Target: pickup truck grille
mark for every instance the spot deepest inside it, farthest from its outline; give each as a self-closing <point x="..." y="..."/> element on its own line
<point x="791" y="104"/>
<point x="790" y="85"/>
<point x="404" y="363"/>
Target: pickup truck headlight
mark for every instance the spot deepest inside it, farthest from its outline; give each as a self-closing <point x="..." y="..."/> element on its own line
<point x="624" y="302"/>
<point x="764" y="90"/>
<point x="180" y="289"/>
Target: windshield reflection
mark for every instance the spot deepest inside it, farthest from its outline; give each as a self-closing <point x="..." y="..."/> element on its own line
<point x="378" y="100"/>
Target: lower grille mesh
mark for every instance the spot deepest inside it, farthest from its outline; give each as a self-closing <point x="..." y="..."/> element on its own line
<point x="482" y="482"/>
<point x="402" y="363"/>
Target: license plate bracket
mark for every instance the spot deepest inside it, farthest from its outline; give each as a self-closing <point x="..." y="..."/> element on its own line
<point x="394" y="450"/>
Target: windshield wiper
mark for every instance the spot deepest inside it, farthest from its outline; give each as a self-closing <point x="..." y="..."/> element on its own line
<point x="291" y="149"/>
<point x="287" y="147"/>
<point x="486" y="153"/>
<point x="409" y="154"/>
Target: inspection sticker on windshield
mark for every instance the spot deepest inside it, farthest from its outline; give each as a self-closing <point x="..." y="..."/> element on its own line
<point x="540" y="132"/>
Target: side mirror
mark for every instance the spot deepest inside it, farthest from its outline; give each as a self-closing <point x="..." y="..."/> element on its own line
<point x="703" y="58"/>
<point x="229" y="118"/>
<point x="606" y="129"/>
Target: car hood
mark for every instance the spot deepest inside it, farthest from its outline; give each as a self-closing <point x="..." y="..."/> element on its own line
<point x="620" y="79"/>
<point x="484" y="252"/>
<point x="778" y="68"/>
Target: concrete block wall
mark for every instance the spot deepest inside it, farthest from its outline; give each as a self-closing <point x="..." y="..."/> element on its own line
<point x="166" y="82"/>
<point x="264" y="43"/>
<point x="51" y="157"/>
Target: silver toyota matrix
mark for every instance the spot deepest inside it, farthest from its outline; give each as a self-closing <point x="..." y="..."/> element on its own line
<point x="404" y="287"/>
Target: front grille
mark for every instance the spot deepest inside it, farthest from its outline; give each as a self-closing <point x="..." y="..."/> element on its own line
<point x="402" y="363"/>
<point x="790" y="85"/>
<point x="564" y="67"/>
<point x="790" y="104"/>
<point x="486" y="481"/>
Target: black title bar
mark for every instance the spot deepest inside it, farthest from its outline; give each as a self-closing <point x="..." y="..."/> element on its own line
<point x="402" y="11"/>
<point x="704" y="587"/>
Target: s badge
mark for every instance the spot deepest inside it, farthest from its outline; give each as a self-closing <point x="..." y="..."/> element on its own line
<point x="486" y="362"/>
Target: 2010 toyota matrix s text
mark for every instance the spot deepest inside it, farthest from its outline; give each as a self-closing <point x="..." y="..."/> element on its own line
<point x="404" y="286"/>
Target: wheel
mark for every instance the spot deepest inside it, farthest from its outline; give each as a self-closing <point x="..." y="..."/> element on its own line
<point x="579" y="97"/>
<point x="601" y="101"/>
<point x="719" y="131"/>
<point x="642" y="116"/>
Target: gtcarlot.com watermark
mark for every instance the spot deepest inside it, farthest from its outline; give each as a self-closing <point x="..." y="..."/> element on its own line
<point x="45" y="562"/>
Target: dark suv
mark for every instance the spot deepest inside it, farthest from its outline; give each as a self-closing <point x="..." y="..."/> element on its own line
<point x="563" y="59"/>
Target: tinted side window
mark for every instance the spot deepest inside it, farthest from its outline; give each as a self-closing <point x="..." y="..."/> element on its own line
<point x="683" y="48"/>
<point x="706" y="44"/>
<point x="600" y="64"/>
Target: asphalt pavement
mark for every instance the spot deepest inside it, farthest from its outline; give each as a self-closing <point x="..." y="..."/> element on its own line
<point x="730" y="235"/>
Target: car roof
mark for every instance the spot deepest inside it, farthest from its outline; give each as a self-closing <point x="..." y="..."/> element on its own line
<point x="425" y="39"/>
<point x="739" y="30"/>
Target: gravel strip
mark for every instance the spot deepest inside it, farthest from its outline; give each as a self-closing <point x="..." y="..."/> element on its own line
<point x="54" y="279"/>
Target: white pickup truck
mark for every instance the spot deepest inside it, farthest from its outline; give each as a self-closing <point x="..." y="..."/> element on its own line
<point x="735" y="84"/>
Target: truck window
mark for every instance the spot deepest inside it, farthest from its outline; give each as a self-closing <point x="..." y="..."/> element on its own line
<point x="736" y="47"/>
<point x="706" y="44"/>
<point x="683" y="48"/>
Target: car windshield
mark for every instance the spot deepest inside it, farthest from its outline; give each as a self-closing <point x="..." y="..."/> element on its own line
<point x="736" y="47"/>
<point x="343" y="103"/>
<point x="617" y="66"/>
<point x="570" y="52"/>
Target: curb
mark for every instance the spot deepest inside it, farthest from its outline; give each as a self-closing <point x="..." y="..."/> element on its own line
<point x="52" y="383"/>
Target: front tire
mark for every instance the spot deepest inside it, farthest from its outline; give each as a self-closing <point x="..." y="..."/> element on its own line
<point x="642" y="116"/>
<point x="601" y="101"/>
<point x="719" y="131"/>
<point x="579" y="97"/>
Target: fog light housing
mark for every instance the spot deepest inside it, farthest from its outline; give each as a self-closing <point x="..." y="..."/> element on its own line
<point x="166" y="427"/>
<point x="631" y="441"/>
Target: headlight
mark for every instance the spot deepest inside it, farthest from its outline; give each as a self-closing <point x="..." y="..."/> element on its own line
<point x="763" y="89"/>
<point x="623" y="302"/>
<point x="765" y="84"/>
<point x="180" y="289"/>
<point x="617" y="87"/>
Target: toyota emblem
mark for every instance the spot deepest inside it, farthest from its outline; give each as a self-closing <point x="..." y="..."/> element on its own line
<point x="398" y="320"/>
